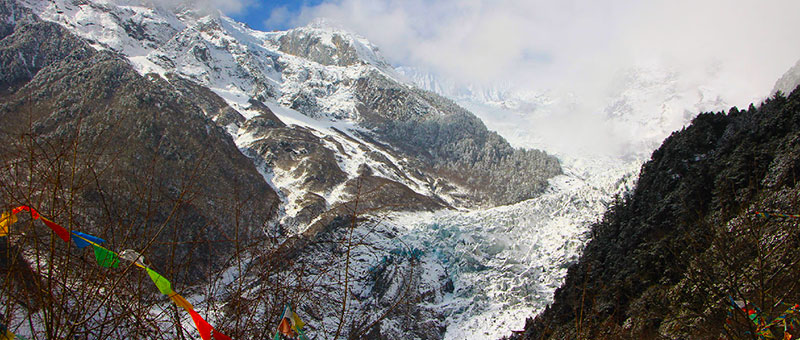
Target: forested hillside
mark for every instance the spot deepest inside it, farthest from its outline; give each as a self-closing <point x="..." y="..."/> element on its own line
<point x="672" y="258"/>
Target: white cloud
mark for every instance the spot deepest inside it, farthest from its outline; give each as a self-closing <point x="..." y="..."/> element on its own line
<point x="231" y="6"/>
<point x="490" y="40"/>
<point x="580" y="48"/>
<point x="279" y="17"/>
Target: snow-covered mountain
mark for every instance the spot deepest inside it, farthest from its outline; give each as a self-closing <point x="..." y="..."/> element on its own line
<point x="789" y="81"/>
<point x="471" y="234"/>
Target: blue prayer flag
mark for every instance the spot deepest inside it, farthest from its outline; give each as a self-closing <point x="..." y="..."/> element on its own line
<point x="81" y="243"/>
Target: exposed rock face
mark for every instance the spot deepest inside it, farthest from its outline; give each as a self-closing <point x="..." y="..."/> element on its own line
<point x="666" y="260"/>
<point x="336" y="51"/>
<point x="141" y="153"/>
<point x="452" y="142"/>
<point x="212" y="105"/>
<point x="302" y="155"/>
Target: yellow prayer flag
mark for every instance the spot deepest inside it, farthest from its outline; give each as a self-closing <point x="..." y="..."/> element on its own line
<point x="6" y="220"/>
<point x="181" y="302"/>
<point x="296" y="322"/>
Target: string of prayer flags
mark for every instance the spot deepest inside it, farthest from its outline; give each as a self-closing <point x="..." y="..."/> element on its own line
<point x="6" y="220"/>
<point x="104" y="257"/>
<point x="109" y="259"/>
<point x="763" y="326"/>
<point x="34" y="214"/>
<point x="774" y="214"/>
<point x="83" y="240"/>
<point x="202" y="325"/>
<point x="62" y="232"/>
<point x="165" y="287"/>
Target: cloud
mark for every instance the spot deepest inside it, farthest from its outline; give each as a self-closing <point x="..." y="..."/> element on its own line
<point x="231" y="6"/>
<point x="581" y="49"/>
<point x="278" y="17"/>
<point x="490" y="40"/>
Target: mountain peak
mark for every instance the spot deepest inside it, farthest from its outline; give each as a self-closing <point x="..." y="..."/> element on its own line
<point x="327" y="42"/>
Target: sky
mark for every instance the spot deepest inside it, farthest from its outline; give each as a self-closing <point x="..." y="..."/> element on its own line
<point x="566" y="48"/>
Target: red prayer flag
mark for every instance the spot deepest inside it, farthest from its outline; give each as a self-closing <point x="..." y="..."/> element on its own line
<point x="220" y="336"/>
<point x="202" y="326"/>
<point x="60" y="231"/>
<point x="34" y="214"/>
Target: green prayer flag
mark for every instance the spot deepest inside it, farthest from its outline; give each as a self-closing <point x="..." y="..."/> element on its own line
<point x="163" y="284"/>
<point x="105" y="257"/>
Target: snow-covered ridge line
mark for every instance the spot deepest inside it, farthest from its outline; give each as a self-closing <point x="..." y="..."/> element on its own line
<point x="238" y="64"/>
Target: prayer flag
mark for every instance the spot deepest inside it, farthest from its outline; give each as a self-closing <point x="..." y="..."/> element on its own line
<point x="296" y="322"/>
<point x="202" y="326"/>
<point x="34" y="214"/>
<point x="285" y="327"/>
<point x="105" y="257"/>
<point x="290" y="324"/>
<point x="59" y="230"/>
<point x="220" y="336"/>
<point x="82" y="240"/>
<point x="133" y="256"/>
<point x="6" y="220"/>
<point x="163" y="284"/>
<point x="181" y="302"/>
